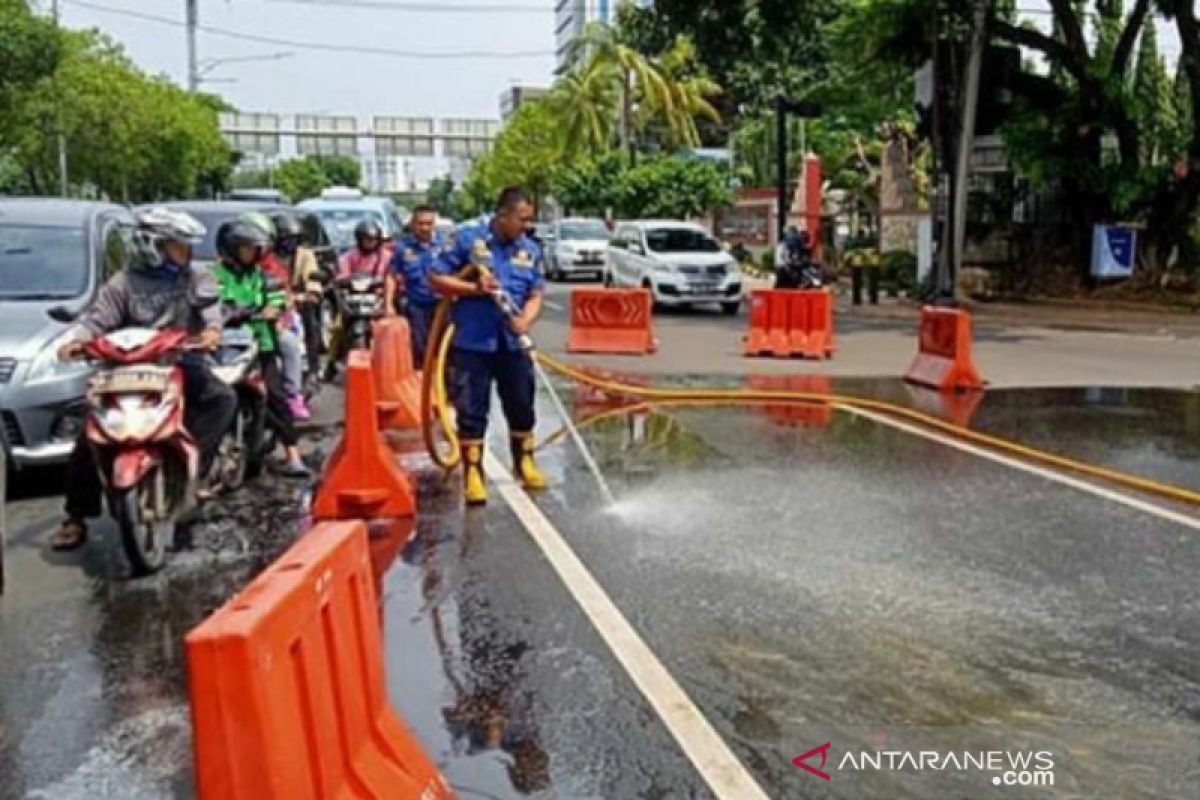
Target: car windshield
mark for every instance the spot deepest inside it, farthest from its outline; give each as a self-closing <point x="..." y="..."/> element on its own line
<point x="681" y="240"/>
<point x="594" y="231"/>
<point x="340" y="224"/>
<point x="42" y="263"/>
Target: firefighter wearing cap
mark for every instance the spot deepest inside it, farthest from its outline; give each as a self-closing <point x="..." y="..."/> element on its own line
<point x="487" y="345"/>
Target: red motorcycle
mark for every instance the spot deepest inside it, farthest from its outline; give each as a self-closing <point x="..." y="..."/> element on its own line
<point x="148" y="461"/>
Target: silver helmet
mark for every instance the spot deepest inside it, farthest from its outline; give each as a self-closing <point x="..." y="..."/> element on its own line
<point x="156" y="226"/>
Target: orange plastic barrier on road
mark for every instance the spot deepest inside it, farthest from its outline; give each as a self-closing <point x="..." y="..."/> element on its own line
<point x="614" y="321"/>
<point x="944" y="361"/>
<point x="362" y="479"/>
<point x="397" y="383"/>
<point x="286" y="686"/>
<point x="790" y="322"/>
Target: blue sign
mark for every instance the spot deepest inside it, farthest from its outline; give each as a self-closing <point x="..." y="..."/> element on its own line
<point x="1114" y="251"/>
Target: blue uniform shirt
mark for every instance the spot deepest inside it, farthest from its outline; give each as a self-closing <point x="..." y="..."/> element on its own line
<point x="413" y="260"/>
<point x="517" y="265"/>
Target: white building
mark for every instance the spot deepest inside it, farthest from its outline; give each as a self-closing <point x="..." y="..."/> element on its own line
<point x="569" y="18"/>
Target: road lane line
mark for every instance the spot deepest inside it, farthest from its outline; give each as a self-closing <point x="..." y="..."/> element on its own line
<point x="553" y="305"/>
<point x="1043" y="472"/>
<point x="712" y="758"/>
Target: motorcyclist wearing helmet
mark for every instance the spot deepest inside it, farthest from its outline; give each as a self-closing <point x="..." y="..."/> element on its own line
<point x="368" y="253"/>
<point x="307" y="291"/>
<point x="244" y="285"/>
<point x="158" y="289"/>
<point x="367" y="257"/>
<point x="792" y="259"/>
<point x="290" y="334"/>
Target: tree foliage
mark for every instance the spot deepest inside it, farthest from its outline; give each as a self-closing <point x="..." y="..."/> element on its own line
<point x="667" y="187"/>
<point x="527" y="153"/>
<point x="128" y="136"/>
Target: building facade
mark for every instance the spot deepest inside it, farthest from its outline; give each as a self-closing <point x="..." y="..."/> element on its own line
<point x="570" y="17"/>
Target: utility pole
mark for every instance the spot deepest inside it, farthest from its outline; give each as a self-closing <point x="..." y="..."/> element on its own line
<point x="955" y="233"/>
<point x="784" y="107"/>
<point x="193" y="20"/>
<point x="63" y="183"/>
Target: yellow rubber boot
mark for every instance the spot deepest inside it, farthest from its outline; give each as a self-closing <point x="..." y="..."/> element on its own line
<point x="474" y="483"/>
<point x="523" y="464"/>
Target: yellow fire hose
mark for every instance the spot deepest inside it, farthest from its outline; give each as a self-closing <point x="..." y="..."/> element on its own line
<point x="435" y="407"/>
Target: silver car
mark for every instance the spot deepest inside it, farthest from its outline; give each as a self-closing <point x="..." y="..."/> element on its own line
<point x="52" y="253"/>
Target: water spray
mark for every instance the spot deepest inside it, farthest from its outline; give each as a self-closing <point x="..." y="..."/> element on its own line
<point x="510" y="311"/>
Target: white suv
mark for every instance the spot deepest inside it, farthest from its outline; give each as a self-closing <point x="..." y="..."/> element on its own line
<point x="679" y="262"/>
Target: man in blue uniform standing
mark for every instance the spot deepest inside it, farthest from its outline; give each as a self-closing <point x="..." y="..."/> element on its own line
<point x="411" y="265"/>
<point x="487" y="342"/>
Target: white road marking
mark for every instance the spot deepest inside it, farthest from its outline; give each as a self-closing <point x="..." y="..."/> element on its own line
<point x="553" y="305"/>
<point x="1049" y="474"/>
<point x="712" y="758"/>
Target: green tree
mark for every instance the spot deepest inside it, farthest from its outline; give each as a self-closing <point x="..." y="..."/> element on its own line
<point x="341" y="170"/>
<point x="29" y="52"/>
<point x="526" y="152"/>
<point x="668" y="186"/>
<point x="128" y="136"/>
<point x="301" y="178"/>
<point x="586" y="102"/>
<point x="754" y="49"/>
<point x="1152" y="94"/>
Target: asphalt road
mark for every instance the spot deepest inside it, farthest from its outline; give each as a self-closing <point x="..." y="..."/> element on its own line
<point x="805" y="576"/>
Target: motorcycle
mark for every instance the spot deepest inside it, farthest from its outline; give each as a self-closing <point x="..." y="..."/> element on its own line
<point x="244" y="448"/>
<point x="361" y="301"/>
<point x="148" y="461"/>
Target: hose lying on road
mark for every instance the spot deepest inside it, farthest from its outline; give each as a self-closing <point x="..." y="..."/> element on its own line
<point x="435" y="407"/>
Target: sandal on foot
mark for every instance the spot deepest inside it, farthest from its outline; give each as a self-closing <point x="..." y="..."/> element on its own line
<point x="71" y="535"/>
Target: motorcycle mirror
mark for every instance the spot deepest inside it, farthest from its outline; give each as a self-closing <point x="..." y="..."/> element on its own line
<point x="62" y="314"/>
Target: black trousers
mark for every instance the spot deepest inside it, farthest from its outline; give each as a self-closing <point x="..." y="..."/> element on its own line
<point x="512" y="371"/>
<point x="310" y="315"/>
<point x="279" y="415"/>
<point x="209" y="409"/>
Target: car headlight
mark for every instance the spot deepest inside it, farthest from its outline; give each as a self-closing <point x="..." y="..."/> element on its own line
<point x="47" y="367"/>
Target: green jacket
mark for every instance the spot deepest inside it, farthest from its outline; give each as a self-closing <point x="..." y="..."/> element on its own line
<point x="249" y="290"/>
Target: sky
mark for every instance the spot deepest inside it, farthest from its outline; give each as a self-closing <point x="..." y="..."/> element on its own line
<point x="355" y="83"/>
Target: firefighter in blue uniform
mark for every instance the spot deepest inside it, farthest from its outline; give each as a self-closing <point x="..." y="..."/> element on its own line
<point x="412" y="264"/>
<point x="487" y="342"/>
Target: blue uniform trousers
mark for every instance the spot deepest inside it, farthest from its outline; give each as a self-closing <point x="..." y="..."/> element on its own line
<point x="474" y="372"/>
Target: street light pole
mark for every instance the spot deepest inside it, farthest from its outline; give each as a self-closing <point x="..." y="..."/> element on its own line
<point x="193" y="20"/>
<point x="781" y="159"/>
<point x="63" y="182"/>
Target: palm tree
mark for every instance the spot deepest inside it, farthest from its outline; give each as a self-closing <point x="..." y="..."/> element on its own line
<point x="599" y="48"/>
<point x="586" y="102"/>
<point x="685" y="97"/>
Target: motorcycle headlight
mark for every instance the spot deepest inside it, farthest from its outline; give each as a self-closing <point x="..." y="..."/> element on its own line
<point x="47" y="367"/>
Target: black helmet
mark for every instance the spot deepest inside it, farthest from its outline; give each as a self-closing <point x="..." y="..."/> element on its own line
<point x="367" y="229"/>
<point x="286" y="225"/>
<point x="233" y="235"/>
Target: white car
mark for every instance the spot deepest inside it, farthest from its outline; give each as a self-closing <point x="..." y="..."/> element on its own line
<point x="575" y="247"/>
<point x="679" y="262"/>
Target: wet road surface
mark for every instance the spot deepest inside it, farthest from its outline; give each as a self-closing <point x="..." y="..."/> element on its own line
<point x="807" y="576"/>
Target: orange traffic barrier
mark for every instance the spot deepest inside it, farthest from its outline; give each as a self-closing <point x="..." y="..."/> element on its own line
<point x="397" y="383"/>
<point x="611" y="321"/>
<point x="944" y="360"/>
<point x="816" y="415"/>
<point x="362" y="478"/>
<point x="790" y="322"/>
<point x="286" y="686"/>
